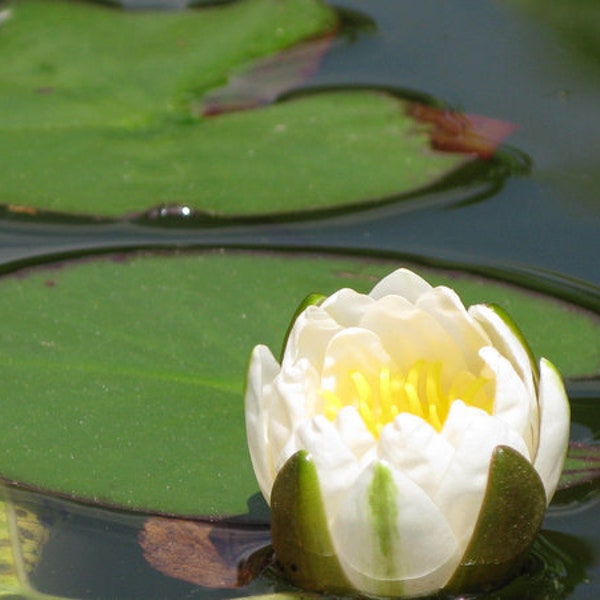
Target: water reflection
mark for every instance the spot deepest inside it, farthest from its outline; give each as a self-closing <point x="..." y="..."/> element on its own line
<point x="71" y="550"/>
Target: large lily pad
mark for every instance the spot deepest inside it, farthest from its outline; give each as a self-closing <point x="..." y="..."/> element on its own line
<point x="123" y="379"/>
<point x="103" y="116"/>
<point x="78" y="64"/>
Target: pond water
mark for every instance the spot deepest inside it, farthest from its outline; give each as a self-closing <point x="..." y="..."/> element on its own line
<point x="516" y="61"/>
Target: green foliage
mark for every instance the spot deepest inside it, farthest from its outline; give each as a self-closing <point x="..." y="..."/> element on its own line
<point x="123" y="379"/>
<point x="91" y="133"/>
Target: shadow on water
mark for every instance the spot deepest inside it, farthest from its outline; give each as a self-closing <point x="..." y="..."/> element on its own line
<point x="79" y="551"/>
<point x="83" y="551"/>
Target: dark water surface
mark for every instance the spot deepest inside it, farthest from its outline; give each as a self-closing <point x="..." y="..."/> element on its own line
<point x="540" y="226"/>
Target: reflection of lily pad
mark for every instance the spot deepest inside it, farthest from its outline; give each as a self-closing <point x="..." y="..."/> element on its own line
<point x="102" y="107"/>
<point x="123" y="379"/>
<point x="22" y="539"/>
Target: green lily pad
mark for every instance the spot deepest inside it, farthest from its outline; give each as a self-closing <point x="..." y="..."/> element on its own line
<point x="80" y="65"/>
<point x="103" y="107"/>
<point x="122" y="379"/>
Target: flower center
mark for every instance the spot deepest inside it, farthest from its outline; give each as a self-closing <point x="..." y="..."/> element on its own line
<point x="379" y="400"/>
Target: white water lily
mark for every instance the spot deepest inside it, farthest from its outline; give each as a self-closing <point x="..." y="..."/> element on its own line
<point x="400" y="398"/>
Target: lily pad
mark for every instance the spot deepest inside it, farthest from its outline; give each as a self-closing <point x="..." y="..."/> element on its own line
<point x="77" y="64"/>
<point x="106" y="110"/>
<point x="123" y="377"/>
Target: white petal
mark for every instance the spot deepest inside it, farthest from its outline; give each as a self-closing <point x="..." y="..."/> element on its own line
<point x="354" y="432"/>
<point x="312" y="331"/>
<point x="446" y="307"/>
<point x="336" y="465"/>
<point x="346" y="307"/>
<point x="402" y="282"/>
<point x="410" y="334"/>
<point x="504" y="339"/>
<point x="513" y="403"/>
<point x="474" y="434"/>
<point x="294" y="394"/>
<point x="554" y="427"/>
<point x="263" y="368"/>
<point x="357" y="347"/>
<point x="413" y="447"/>
<point x="390" y="537"/>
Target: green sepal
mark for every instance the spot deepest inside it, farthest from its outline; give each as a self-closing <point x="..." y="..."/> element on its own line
<point x="310" y="300"/>
<point x="509" y="520"/>
<point x="299" y="530"/>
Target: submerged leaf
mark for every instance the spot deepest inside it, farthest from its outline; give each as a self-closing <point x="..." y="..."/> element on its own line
<point x="207" y="554"/>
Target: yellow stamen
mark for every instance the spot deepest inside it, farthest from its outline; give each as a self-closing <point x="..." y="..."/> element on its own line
<point x="434" y="418"/>
<point x="385" y="388"/>
<point x="414" y="403"/>
<point x="379" y="398"/>
<point x="332" y="404"/>
<point x="362" y="385"/>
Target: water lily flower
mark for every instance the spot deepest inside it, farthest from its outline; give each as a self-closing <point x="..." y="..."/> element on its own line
<point x="405" y="443"/>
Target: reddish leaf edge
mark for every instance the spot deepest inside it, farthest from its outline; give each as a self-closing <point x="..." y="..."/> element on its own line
<point x="461" y="132"/>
